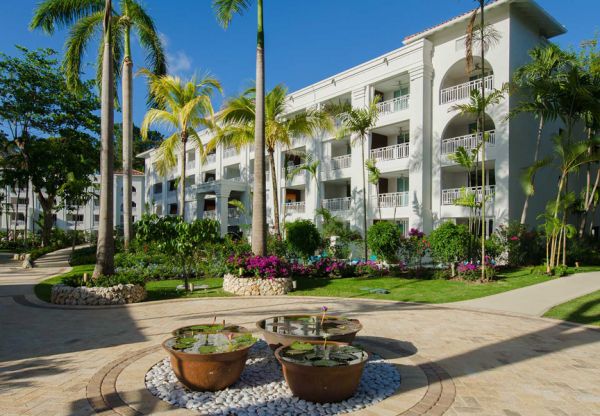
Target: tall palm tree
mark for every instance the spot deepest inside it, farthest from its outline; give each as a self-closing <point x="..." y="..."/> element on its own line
<point x="237" y="125"/>
<point x="181" y="107"/>
<point x="358" y="122"/>
<point x="538" y="81"/>
<point x="225" y="9"/>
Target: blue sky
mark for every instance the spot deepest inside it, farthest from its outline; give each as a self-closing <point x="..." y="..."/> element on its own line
<point x="306" y="40"/>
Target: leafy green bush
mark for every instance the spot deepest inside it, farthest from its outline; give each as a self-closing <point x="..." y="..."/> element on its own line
<point x="302" y="237"/>
<point x="523" y="247"/>
<point x="85" y="255"/>
<point x="449" y="242"/>
<point x="122" y="278"/>
<point x="384" y="240"/>
<point x="586" y="251"/>
<point x="276" y="247"/>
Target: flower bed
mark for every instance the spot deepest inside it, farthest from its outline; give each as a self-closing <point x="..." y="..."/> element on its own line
<point x="82" y="295"/>
<point x="256" y="286"/>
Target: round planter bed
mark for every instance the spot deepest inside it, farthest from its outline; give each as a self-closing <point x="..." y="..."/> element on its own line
<point x="254" y="286"/>
<point x="83" y="295"/>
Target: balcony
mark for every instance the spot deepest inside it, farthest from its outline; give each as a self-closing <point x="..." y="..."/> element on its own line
<point x="229" y="152"/>
<point x="469" y="141"/>
<point x="397" y="151"/>
<point x="449" y="196"/>
<point x="340" y="162"/>
<point x="210" y="215"/>
<point x="463" y="91"/>
<point x="295" y="207"/>
<point x="394" y="199"/>
<point x="393" y="106"/>
<point x="211" y="158"/>
<point x="190" y="165"/>
<point x="337" y="204"/>
<point x="233" y="213"/>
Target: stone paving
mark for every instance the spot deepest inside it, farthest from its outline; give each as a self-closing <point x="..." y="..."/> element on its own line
<point x="62" y="361"/>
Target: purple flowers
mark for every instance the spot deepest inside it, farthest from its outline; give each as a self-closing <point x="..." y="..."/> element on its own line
<point x="268" y="267"/>
<point x="324" y="309"/>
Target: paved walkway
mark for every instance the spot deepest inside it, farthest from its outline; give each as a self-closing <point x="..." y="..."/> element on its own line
<point x="537" y="299"/>
<point x="64" y="361"/>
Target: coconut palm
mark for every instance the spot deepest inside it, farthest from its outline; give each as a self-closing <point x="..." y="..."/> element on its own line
<point x="311" y="166"/>
<point x="469" y="161"/>
<point x="236" y="128"/>
<point x="86" y="18"/>
<point x="181" y="108"/>
<point x="225" y="9"/>
<point x="358" y="122"/>
<point x="374" y="176"/>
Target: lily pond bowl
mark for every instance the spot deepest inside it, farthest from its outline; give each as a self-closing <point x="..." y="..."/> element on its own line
<point x="209" y="361"/>
<point x="213" y="328"/>
<point x="286" y="329"/>
<point x="322" y="372"/>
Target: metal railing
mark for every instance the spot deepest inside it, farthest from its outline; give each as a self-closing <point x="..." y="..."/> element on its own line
<point x="295" y="207"/>
<point x="337" y="204"/>
<point x="468" y="141"/>
<point x="394" y="105"/>
<point x="393" y="199"/>
<point x="449" y="196"/>
<point x="462" y="91"/>
<point x="340" y="162"/>
<point x="397" y="151"/>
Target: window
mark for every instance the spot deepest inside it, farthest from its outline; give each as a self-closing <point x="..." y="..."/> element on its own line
<point x="190" y="180"/>
<point x="403" y="137"/>
<point x="172" y="185"/>
<point x="403" y="225"/>
<point x="20" y="216"/>
<point x="96" y="202"/>
<point x="96" y="218"/>
<point x="133" y="190"/>
<point x="172" y="209"/>
<point x="402" y="184"/>
<point x="157" y="188"/>
<point x="75" y="217"/>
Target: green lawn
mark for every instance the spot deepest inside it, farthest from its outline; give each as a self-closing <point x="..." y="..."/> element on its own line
<point x="584" y="310"/>
<point x="401" y="289"/>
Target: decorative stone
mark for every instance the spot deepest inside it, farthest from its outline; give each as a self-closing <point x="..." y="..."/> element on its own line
<point x="254" y="286"/>
<point x="115" y="295"/>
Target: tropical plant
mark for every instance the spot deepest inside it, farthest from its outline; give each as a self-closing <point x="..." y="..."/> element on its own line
<point x="237" y="125"/>
<point x="358" y="122"/>
<point x="181" y="107"/>
<point x="468" y="160"/>
<point x="225" y="9"/>
<point x="374" y="176"/>
<point x="310" y="165"/>
<point x="449" y="244"/>
<point x="302" y="237"/>
<point x="384" y="240"/>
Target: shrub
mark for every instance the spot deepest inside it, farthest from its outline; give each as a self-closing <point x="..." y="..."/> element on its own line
<point x="586" y="251"/>
<point x="370" y="269"/>
<point x="383" y="238"/>
<point x="85" y="255"/>
<point x="414" y="247"/>
<point x="302" y="237"/>
<point x="122" y="278"/>
<point x="269" y="267"/>
<point x="449" y="242"/>
<point x="522" y="247"/>
<point x="276" y="247"/>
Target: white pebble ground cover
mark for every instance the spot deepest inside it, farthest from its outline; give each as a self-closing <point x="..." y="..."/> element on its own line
<point x="262" y="390"/>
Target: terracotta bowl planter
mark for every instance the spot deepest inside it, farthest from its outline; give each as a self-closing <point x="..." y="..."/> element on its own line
<point x="321" y="384"/>
<point x="189" y="329"/>
<point x="345" y="333"/>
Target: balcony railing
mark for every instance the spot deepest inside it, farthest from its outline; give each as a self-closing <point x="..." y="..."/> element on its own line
<point x="233" y="213"/>
<point x="397" y="151"/>
<point x="211" y="158"/>
<point x="191" y="164"/>
<point x="295" y="207"/>
<point x="394" y="199"/>
<point x="462" y="91"/>
<point x="229" y="152"/>
<point x="469" y="141"/>
<point x="340" y="162"/>
<point x="449" y="196"/>
<point x="337" y="204"/>
<point x="394" y="105"/>
<point x="210" y="215"/>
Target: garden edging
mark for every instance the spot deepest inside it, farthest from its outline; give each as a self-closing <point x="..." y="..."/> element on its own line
<point x="82" y="295"/>
<point x="256" y="286"/>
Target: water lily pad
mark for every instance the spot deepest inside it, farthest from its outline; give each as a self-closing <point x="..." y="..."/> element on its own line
<point x="301" y="346"/>
<point x="207" y="349"/>
<point x="325" y="363"/>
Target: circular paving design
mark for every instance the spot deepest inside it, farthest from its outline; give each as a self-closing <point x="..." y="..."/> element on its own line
<point x="425" y="389"/>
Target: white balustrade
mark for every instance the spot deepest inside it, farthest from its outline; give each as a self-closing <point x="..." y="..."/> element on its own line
<point x="449" y="196"/>
<point x="295" y="207"/>
<point x="337" y="204"/>
<point x="211" y="158"/>
<point x="462" y="91"/>
<point x="210" y="215"/>
<point x="394" y="105"/>
<point x="393" y="199"/>
<point x="468" y="141"/>
<point x="229" y="152"/>
<point x="397" y="151"/>
<point x="340" y="162"/>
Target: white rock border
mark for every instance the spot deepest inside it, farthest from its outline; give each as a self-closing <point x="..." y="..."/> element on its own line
<point x="82" y="295"/>
<point x="262" y="390"/>
<point x="253" y="286"/>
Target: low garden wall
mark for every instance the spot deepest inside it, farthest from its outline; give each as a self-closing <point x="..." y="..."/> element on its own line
<point x="251" y="286"/>
<point x="114" y="295"/>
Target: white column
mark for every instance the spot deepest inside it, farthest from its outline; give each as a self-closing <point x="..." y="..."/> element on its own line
<point x="222" y="205"/>
<point x="360" y="99"/>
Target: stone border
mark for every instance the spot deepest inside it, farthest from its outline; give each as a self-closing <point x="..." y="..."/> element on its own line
<point x="253" y="286"/>
<point x="118" y="388"/>
<point x="114" y="295"/>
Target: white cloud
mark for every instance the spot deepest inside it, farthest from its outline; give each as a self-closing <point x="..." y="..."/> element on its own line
<point x="177" y="61"/>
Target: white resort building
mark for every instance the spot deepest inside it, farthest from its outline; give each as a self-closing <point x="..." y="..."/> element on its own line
<point x="417" y="85"/>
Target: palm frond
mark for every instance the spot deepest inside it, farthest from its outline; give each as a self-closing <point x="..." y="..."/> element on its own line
<point x="527" y="178"/>
<point x="148" y="37"/>
<point x="52" y="14"/>
<point x="225" y="9"/>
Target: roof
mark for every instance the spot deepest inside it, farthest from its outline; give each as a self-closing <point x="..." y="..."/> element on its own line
<point x="549" y="25"/>
<point x="134" y="172"/>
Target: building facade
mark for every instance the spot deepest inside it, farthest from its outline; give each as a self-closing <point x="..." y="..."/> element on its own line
<point x="417" y="86"/>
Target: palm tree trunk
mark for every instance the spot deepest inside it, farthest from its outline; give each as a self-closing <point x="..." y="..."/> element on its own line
<point x="259" y="205"/>
<point x="276" y="226"/>
<point x="106" y="245"/>
<point x="127" y="86"/>
<point x="75" y="230"/>
<point x="182" y="177"/>
<point x="364" y="186"/>
<point x="482" y="128"/>
<point x="535" y="159"/>
<point x="588" y="204"/>
<point x="25" y="235"/>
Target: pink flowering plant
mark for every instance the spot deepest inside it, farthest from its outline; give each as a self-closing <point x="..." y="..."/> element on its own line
<point x="268" y="267"/>
<point x="472" y="270"/>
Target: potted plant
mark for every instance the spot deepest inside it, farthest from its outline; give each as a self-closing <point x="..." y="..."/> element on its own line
<point x="208" y="359"/>
<point x="213" y="328"/>
<point x="286" y="329"/>
<point x="322" y="371"/>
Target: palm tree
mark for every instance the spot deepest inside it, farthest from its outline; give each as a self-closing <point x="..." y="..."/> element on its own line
<point x="181" y="107"/>
<point x="237" y="124"/>
<point x="225" y="9"/>
<point x="358" y="122"/>
<point x="310" y="166"/>
<point x="374" y="176"/>
<point x="538" y="79"/>
<point x="469" y="161"/>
